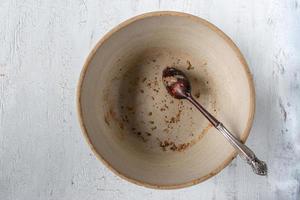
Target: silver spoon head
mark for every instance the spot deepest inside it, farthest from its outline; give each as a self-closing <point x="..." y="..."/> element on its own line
<point x="176" y="83"/>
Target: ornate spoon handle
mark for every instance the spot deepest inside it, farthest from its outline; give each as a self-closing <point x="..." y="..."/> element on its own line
<point x="259" y="167"/>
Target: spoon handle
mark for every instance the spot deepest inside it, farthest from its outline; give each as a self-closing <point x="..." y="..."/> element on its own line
<point x="259" y="167"/>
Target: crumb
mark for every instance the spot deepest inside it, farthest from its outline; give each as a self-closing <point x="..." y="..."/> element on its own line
<point x="139" y="133"/>
<point x="189" y="65"/>
<point x="106" y="120"/>
<point x="183" y="146"/>
<point x="150" y="113"/>
<point x="197" y="95"/>
<point x="142" y="91"/>
<point x="121" y="125"/>
<point x="172" y="120"/>
<point x="129" y="108"/>
<point x="144" y="140"/>
<point x="151" y="122"/>
<point x="153" y="60"/>
<point x="152" y="97"/>
<point x="153" y="128"/>
<point x="162" y="109"/>
<point x="148" y="134"/>
<point x="144" y="79"/>
<point x="164" y="143"/>
<point x="125" y="119"/>
<point x="166" y="130"/>
<point x="176" y="118"/>
<point x="112" y="113"/>
<point x="133" y="129"/>
<point x="179" y="147"/>
<point x="206" y="82"/>
<point x="173" y="147"/>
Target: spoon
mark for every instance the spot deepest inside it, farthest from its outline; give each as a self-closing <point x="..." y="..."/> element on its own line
<point x="178" y="86"/>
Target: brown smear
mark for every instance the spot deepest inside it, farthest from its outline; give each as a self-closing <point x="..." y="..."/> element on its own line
<point x="172" y="146"/>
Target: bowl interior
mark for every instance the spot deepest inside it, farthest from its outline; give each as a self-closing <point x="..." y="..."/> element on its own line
<point x="136" y="127"/>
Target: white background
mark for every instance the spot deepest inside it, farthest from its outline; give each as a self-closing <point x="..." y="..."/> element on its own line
<point x="43" y="45"/>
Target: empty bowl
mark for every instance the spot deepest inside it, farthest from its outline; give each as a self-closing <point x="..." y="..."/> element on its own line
<point x="136" y="128"/>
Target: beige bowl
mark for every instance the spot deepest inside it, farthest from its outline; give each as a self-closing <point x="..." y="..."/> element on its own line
<point x="138" y="130"/>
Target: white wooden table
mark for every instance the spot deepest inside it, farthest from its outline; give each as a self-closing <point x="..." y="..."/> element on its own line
<point x="43" y="44"/>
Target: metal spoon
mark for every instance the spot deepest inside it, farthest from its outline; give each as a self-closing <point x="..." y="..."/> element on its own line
<point x="179" y="87"/>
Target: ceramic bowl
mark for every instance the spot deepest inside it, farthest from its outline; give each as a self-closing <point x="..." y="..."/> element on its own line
<point x="139" y="131"/>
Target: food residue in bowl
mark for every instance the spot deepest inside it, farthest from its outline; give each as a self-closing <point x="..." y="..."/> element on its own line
<point x="146" y="111"/>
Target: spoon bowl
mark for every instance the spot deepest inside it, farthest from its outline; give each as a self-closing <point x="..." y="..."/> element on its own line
<point x="177" y="83"/>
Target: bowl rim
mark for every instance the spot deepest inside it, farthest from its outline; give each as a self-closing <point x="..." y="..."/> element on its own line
<point x="198" y="20"/>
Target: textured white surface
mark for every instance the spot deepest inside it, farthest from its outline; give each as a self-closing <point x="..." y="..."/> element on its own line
<point x="43" y="45"/>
